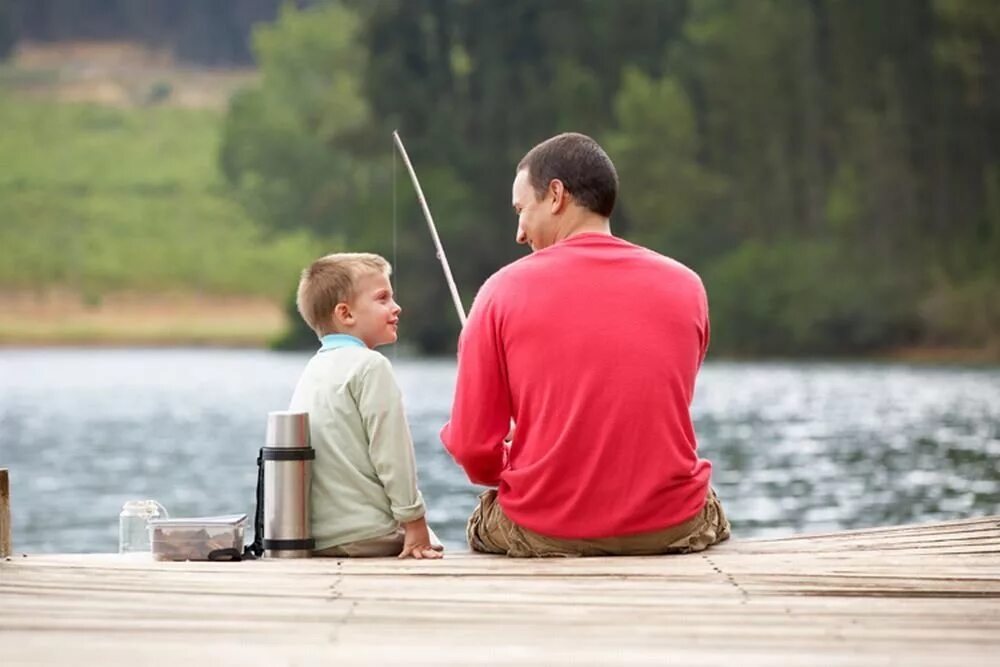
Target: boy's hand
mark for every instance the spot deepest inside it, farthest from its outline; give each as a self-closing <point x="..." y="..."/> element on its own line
<point x="417" y="541"/>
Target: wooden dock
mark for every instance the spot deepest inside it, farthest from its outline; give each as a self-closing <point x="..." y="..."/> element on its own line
<point x="920" y="595"/>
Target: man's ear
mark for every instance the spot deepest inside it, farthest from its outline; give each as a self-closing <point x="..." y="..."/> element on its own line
<point x="342" y="314"/>
<point x="560" y="197"/>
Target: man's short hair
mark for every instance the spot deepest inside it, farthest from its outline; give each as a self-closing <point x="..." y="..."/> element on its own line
<point x="331" y="280"/>
<point x="582" y="166"/>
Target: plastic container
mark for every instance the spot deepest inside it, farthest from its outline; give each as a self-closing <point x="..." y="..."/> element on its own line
<point x="198" y="538"/>
<point x="133" y="522"/>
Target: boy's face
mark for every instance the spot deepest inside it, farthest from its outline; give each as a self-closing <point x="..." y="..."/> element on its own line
<point x="372" y="315"/>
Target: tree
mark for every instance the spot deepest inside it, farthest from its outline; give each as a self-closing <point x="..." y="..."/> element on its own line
<point x="811" y="140"/>
<point x="209" y="32"/>
<point x="8" y="33"/>
<point x="290" y="144"/>
<point x="672" y="200"/>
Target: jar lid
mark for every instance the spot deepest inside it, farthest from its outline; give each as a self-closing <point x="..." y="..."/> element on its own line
<point x="146" y="507"/>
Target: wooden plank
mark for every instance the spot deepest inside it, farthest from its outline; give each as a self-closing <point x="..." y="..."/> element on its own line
<point x="5" y="543"/>
<point x="921" y="595"/>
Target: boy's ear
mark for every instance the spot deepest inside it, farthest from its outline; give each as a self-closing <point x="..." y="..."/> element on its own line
<point x="342" y="314"/>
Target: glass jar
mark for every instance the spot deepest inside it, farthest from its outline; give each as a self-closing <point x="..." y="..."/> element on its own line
<point x="132" y="533"/>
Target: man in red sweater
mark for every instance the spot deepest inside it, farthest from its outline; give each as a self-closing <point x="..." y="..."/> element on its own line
<point x="591" y="346"/>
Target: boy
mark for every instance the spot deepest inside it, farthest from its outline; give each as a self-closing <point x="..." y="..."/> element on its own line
<point x="365" y="500"/>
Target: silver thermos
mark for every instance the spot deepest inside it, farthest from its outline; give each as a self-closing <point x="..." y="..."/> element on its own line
<point x="287" y="459"/>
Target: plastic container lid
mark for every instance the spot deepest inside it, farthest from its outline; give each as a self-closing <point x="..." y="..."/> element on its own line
<point x="200" y="521"/>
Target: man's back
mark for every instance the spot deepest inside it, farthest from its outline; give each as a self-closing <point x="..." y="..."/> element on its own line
<point x="599" y="342"/>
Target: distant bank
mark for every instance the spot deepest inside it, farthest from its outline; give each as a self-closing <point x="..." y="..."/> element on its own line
<point x="205" y="320"/>
<point x="139" y="319"/>
<point x="117" y="227"/>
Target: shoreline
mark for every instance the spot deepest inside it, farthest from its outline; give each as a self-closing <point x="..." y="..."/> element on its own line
<point x="207" y="338"/>
<point x="919" y="356"/>
<point x="62" y="319"/>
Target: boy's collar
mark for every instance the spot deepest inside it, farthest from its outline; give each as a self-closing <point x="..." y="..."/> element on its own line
<point x="334" y="341"/>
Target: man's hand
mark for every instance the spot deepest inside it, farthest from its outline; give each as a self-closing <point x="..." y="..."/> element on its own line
<point x="417" y="541"/>
<point x="507" y="442"/>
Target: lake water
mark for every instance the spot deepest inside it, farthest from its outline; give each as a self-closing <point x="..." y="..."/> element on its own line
<point x="796" y="446"/>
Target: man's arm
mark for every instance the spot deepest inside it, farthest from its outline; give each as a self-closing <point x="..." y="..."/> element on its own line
<point x="481" y="412"/>
<point x="706" y="330"/>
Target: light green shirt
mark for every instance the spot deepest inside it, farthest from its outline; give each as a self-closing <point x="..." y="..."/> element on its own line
<point x="364" y="478"/>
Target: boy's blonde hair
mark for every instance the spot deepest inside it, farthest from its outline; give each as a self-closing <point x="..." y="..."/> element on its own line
<point x="331" y="280"/>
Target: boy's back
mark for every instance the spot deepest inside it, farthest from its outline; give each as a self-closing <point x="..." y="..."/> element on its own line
<point x="364" y="478"/>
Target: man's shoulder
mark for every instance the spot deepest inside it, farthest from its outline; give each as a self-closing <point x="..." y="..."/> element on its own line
<point x="556" y="261"/>
<point x="523" y="268"/>
<point x="506" y="276"/>
<point x="549" y="259"/>
<point x="667" y="263"/>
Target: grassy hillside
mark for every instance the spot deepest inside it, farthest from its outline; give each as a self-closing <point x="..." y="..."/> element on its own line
<point x="99" y="200"/>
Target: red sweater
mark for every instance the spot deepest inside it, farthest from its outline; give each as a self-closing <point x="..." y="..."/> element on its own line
<point x="591" y="346"/>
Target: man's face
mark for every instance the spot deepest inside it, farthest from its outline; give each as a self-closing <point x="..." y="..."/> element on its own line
<point x="534" y="216"/>
<point x="376" y="314"/>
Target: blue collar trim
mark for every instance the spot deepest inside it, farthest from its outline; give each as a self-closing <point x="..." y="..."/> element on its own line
<point x="335" y="341"/>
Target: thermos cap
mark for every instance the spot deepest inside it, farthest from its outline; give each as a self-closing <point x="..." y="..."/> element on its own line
<point x="287" y="429"/>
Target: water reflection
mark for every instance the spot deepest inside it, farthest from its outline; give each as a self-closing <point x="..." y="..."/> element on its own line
<point x="817" y="446"/>
<point x="796" y="447"/>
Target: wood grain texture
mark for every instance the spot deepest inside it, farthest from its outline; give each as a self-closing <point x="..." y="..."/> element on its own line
<point x="909" y="595"/>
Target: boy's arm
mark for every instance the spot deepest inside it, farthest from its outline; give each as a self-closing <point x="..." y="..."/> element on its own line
<point x="417" y="541"/>
<point x="380" y="403"/>
<point x="481" y="412"/>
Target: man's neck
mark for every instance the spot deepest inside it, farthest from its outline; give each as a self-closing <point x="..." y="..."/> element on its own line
<point x="583" y="223"/>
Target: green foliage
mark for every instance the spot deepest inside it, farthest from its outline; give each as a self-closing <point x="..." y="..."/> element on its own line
<point x="159" y="92"/>
<point x="963" y="313"/>
<point x="818" y="161"/>
<point x="831" y="167"/>
<point x="85" y="147"/>
<point x="8" y="35"/>
<point x="209" y="33"/>
<point x="668" y="194"/>
<point x="753" y="67"/>
<point x="965" y="41"/>
<point x="102" y="199"/>
<point x="297" y="335"/>
<point x="803" y="298"/>
<point x="288" y="146"/>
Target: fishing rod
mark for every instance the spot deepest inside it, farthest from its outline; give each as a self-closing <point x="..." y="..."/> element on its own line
<point x="440" y="252"/>
<point x="434" y="235"/>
